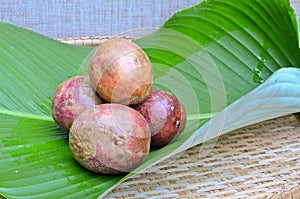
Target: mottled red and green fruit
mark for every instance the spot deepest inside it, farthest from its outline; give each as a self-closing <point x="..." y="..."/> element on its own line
<point x="71" y="98"/>
<point x="110" y="139"/>
<point x="166" y="116"/>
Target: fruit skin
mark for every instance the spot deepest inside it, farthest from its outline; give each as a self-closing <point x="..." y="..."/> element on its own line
<point x="121" y="72"/>
<point x="165" y="114"/>
<point x="72" y="97"/>
<point x="110" y="139"/>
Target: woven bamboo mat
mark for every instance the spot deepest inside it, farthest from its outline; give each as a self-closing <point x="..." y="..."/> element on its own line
<point x="258" y="161"/>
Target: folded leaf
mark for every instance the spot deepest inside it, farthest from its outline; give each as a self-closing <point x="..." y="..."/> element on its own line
<point x="218" y="57"/>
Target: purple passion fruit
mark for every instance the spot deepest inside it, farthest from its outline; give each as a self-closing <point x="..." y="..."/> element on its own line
<point x="110" y="139"/>
<point x="166" y="116"/>
<point x="72" y="97"/>
<point x="121" y="72"/>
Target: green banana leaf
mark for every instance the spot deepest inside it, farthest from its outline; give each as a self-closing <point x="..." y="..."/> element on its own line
<point x="232" y="63"/>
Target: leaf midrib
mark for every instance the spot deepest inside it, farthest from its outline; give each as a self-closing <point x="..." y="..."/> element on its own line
<point x="26" y="115"/>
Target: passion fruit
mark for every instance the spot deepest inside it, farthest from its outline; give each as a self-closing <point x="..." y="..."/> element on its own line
<point x="166" y="116"/>
<point x="121" y="72"/>
<point x="71" y="98"/>
<point x="110" y="139"/>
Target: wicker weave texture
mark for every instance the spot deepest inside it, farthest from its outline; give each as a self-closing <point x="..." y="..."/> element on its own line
<point x="89" y="41"/>
<point x="258" y="161"/>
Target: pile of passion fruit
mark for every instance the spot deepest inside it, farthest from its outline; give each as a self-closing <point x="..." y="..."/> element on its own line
<point x="113" y="116"/>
